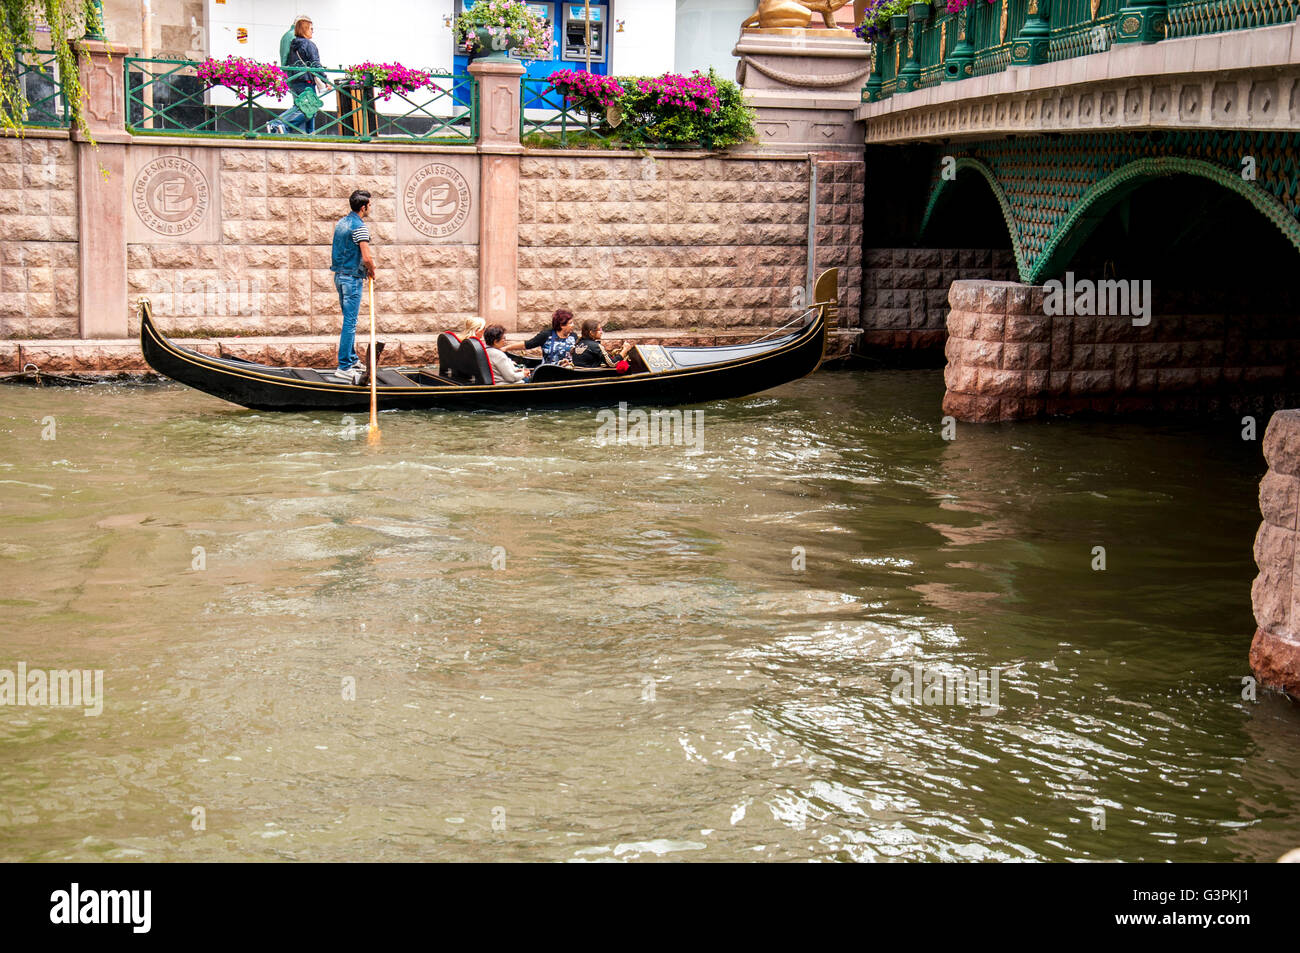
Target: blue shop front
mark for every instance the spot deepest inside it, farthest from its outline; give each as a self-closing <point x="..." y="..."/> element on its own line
<point x="569" y="31"/>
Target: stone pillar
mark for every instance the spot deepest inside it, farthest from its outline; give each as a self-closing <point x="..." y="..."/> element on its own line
<point x="998" y="350"/>
<point x="1275" y="650"/>
<point x="498" y="224"/>
<point x="102" y="191"/>
<point x="804" y="85"/>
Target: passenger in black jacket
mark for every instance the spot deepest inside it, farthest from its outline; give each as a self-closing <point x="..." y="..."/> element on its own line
<point x="589" y="352"/>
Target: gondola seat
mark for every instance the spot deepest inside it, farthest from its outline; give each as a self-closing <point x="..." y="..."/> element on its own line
<point x="554" y="372"/>
<point x="464" y="362"/>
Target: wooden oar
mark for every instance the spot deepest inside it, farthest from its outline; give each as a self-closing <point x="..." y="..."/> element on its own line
<point x="372" y="435"/>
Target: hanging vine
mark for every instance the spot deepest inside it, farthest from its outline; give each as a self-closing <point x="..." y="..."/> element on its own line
<point x="18" y="33"/>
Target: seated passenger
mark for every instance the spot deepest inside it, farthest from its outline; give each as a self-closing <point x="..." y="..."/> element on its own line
<point x="504" y="370"/>
<point x="473" y="328"/>
<point x="558" y="341"/>
<point x="589" y="352"/>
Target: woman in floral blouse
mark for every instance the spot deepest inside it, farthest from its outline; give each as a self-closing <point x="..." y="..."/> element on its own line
<point x="558" y="341"/>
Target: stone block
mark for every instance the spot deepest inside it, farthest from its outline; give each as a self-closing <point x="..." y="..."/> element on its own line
<point x="1092" y="383"/>
<point x="1282" y="442"/>
<point x="1272" y="594"/>
<point x="1015" y="356"/>
<point x="1020" y="327"/>
<point x="1001" y="383"/>
<point x="1176" y="379"/>
<point x="984" y="353"/>
<point x="989" y="327"/>
<point x="1279" y="499"/>
<point x="972" y="408"/>
<point x="964" y="296"/>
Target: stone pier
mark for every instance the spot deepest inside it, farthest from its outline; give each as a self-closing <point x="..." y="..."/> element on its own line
<point x="1009" y="360"/>
<point x="1275" y="651"/>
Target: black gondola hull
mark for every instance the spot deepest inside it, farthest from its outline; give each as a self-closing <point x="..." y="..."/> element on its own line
<point x="753" y="368"/>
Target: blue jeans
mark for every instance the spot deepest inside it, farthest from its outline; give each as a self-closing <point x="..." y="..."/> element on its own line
<point x="294" y="117"/>
<point x="349" y="289"/>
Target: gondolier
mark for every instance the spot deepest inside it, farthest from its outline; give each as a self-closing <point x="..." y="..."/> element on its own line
<point x="352" y="265"/>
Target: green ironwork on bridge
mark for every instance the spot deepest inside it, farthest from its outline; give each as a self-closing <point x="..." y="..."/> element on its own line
<point x="931" y="45"/>
<point x="1053" y="190"/>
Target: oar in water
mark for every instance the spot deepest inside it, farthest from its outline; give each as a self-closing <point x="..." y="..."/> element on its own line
<point x="372" y="435"/>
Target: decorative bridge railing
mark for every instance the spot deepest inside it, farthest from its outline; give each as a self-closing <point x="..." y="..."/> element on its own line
<point x="42" y="87"/>
<point x="932" y="45"/>
<point x="167" y="97"/>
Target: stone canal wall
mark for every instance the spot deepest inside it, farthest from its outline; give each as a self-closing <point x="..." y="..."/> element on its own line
<point x="1008" y="360"/>
<point x="1275" y="651"/>
<point x="232" y="236"/>
<point x="663" y="240"/>
<point x="257" y="263"/>
<point x="38" y="241"/>
<point x="904" y="313"/>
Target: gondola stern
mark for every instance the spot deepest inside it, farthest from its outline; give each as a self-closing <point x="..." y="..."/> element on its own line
<point x="826" y="298"/>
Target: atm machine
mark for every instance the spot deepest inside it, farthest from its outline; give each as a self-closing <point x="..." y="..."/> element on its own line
<point x="568" y="28"/>
<point x="573" y="32"/>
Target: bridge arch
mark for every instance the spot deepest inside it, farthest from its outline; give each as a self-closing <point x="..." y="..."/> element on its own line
<point x="942" y="190"/>
<point x="1081" y="220"/>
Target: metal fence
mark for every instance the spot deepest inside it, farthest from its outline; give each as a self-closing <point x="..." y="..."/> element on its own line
<point x="168" y="97"/>
<point x="42" y="87"/>
<point x="547" y="118"/>
<point x="1077" y="28"/>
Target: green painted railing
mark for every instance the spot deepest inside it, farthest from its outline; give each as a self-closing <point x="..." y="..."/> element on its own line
<point x="547" y="118"/>
<point x="42" y="86"/>
<point x="995" y="32"/>
<point x="166" y="97"/>
<point x="1192" y="17"/>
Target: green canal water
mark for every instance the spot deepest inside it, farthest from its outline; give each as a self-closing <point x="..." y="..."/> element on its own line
<point x="563" y="650"/>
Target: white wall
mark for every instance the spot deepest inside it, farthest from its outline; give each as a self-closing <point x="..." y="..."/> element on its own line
<point x="383" y="31"/>
<point x="707" y="31"/>
<point x="645" y="47"/>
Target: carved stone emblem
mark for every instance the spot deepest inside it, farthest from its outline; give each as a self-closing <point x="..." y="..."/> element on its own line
<point x="171" y="195"/>
<point x="437" y="200"/>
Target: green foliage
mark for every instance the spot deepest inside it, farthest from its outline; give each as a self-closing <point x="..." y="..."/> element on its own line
<point x="698" y="110"/>
<point x="18" y="21"/>
<point x="653" y="122"/>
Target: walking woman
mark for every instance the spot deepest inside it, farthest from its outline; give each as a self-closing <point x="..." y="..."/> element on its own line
<point x="303" y="64"/>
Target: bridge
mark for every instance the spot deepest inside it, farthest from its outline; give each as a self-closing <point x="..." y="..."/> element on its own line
<point x="1094" y="206"/>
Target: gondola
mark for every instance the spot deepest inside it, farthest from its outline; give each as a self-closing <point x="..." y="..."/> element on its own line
<point x="658" y="375"/>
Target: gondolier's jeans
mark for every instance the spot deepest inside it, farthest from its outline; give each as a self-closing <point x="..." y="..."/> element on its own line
<point x="349" y="289"/>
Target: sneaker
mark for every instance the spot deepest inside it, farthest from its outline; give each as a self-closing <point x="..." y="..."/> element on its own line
<point x="274" y="128"/>
<point x="350" y="376"/>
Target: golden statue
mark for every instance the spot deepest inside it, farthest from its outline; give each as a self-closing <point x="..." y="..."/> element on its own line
<point x="793" y="13"/>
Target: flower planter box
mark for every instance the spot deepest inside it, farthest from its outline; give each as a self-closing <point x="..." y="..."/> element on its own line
<point x="357" y="116"/>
